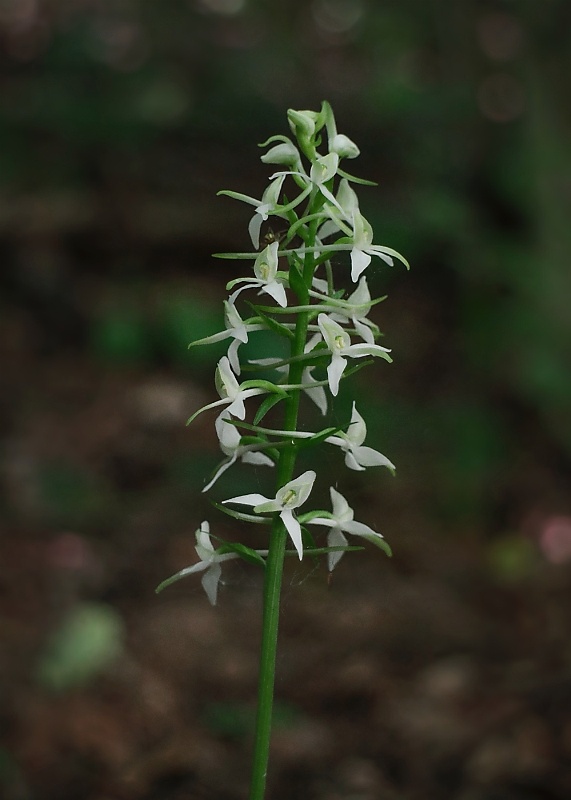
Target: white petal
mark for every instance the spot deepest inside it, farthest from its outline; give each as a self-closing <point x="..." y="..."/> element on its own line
<point x="357" y="430"/>
<point x="352" y="463"/>
<point x="277" y="291"/>
<point x="248" y="499"/>
<point x="294" y="529"/>
<point x="210" y="581"/>
<point x="203" y="537"/>
<point x="334" y="372"/>
<point x="317" y="394"/>
<point x="257" y="458"/>
<point x="221" y="469"/>
<point x="335" y="539"/>
<point x="364" y="331"/>
<point x="360" y="529"/>
<point x="233" y="355"/>
<point x="237" y="407"/>
<point x="254" y="229"/>
<point x="359" y="263"/>
<point x="362" y="350"/>
<point x="342" y="511"/>
<point x="368" y="457"/>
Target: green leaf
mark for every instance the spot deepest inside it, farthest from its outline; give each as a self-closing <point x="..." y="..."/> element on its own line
<point x="247" y="553"/>
<point x="268" y="403"/>
<point x="255" y="518"/>
<point x="173" y="579"/>
<point x="297" y="283"/>
<point x="267" y="386"/>
<point x="273" y="324"/>
<point x="354" y="179"/>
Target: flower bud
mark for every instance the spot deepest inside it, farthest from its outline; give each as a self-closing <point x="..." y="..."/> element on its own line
<point x="343" y="146"/>
<point x="302" y="123"/>
<point x="285" y="153"/>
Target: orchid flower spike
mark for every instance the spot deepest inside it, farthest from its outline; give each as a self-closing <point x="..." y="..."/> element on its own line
<point x="340" y="522"/>
<point x="357" y="456"/>
<point x="339" y="343"/>
<point x="292" y="495"/>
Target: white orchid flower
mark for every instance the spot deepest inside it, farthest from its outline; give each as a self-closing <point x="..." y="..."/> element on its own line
<point x="357" y="456"/>
<point x="339" y="343"/>
<point x="292" y="495"/>
<point x="236" y="329"/>
<point x="363" y="247"/>
<point x="230" y="391"/>
<point x="209" y="563"/>
<point x="354" y="308"/>
<point x="265" y="270"/>
<point x="345" y="217"/>
<point x="341" y="522"/>
<point x="229" y="439"/>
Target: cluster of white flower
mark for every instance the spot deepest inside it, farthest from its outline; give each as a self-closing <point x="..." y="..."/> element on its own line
<point x="323" y="221"/>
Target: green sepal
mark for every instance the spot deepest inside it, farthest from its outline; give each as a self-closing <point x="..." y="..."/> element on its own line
<point x="383" y="545"/>
<point x="355" y="179"/>
<point x="319" y="437"/>
<point x="272" y="324"/>
<point x="309" y="515"/>
<point x="307" y="539"/>
<point x="247" y="553"/>
<point x="269" y="402"/>
<point x="173" y="579"/>
<point x="266" y="386"/>
<point x="278" y="137"/>
<point x="322" y="551"/>
<point x="255" y="518"/>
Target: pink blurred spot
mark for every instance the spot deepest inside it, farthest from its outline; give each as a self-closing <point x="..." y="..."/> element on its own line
<point x="555" y="539"/>
<point x="69" y="551"/>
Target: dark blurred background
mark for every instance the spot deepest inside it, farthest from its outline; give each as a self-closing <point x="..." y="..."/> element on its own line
<point x="442" y="673"/>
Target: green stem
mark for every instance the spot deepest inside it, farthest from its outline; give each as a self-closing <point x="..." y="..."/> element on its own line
<point x="274" y="564"/>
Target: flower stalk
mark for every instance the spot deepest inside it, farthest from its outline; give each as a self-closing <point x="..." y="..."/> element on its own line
<point x="314" y="273"/>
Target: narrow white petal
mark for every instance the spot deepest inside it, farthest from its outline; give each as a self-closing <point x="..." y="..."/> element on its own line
<point x="248" y="499"/>
<point x="335" y="539"/>
<point x="359" y="263"/>
<point x="368" y="457"/>
<point x="210" y="581"/>
<point x="257" y="458"/>
<point x="364" y="331"/>
<point x="342" y="511"/>
<point x="351" y="462"/>
<point x="318" y="396"/>
<point x="254" y="229"/>
<point x="221" y="469"/>
<point x="360" y="529"/>
<point x="237" y="407"/>
<point x="357" y="430"/>
<point x="233" y="356"/>
<point x="329" y="523"/>
<point x="334" y="372"/>
<point x="294" y="529"/>
<point x="277" y="291"/>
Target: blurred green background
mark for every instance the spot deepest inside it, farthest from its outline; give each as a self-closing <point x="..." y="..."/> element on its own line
<point x="119" y="122"/>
